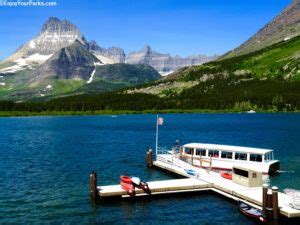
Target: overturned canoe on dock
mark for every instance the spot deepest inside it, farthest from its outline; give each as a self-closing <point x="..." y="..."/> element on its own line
<point x="130" y="183"/>
<point x="127" y="185"/>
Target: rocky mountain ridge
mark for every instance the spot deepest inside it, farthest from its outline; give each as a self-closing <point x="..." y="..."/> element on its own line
<point x="56" y="34"/>
<point x="165" y="63"/>
<point x="282" y="28"/>
<point x="71" y="62"/>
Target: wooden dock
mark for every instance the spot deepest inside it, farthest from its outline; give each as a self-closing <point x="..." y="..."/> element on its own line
<point x="157" y="187"/>
<point x="205" y="180"/>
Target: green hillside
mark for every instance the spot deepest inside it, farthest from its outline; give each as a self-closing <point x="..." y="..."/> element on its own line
<point x="281" y="61"/>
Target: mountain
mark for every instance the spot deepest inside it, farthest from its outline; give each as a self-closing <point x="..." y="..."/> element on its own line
<point x="59" y="60"/>
<point x="119" y="75"/>
<point x="77" y="63"/>
<point x="283" y="27"/>
<point x="164" y="63"/>
<point x="54" y="35"/>
<point x="107" y="56"/>
<point x="71" y="62"/>
<point x="279" y="63"/>
<point x="135" y="74"/>
<point x="74" y="70"/>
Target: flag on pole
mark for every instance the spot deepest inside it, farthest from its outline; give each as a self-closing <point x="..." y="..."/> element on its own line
<point x="160" y="121"/>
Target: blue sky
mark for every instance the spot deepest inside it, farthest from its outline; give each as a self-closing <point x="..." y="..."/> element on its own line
<point x="182" y="27"/>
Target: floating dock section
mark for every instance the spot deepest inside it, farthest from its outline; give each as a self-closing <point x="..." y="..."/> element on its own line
<point x="157" y="187"/>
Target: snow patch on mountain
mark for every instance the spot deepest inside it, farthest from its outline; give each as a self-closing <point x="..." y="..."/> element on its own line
<point x="92" y="75"/>
<point x="32" y="44"/>
<point x="20" y="64"/>
<point x="104" y="60"/>
<point x="165" y="73"/>
<point x="38" y="57"/>
<point x="23" y="63"/>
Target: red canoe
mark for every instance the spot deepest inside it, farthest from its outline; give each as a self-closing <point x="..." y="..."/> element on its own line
<point x="127" y="185"/>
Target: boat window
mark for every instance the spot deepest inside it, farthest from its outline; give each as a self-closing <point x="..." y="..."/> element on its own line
<point x="255" y="157"/>
<point x="269" y="156"/>
<point x="188" y="151"/>
<point x="201" y="152"/>
<point x="240" y="156"/>
<point x="240" y="172"/>
<point x="213" y="153"/>
<point x="226" y="155"/>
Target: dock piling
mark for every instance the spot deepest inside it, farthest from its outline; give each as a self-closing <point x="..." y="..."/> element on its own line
<point x="264" y="198"/>
<point x="269" y="205"/>
<point x="275" y="203"/>
<point x="149" y="158"/>
<point x="93" y="186"/>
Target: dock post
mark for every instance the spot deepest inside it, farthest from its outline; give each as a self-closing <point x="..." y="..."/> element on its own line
<point x="93" y="186"/>
<point x="275" y="203"/>
<point x="264" y="200"/>
<point x="149" y="158"/>
<point x="269" y="205"/>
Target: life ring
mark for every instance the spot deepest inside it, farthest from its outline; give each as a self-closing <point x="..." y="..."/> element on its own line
<point x="226" y="175"/>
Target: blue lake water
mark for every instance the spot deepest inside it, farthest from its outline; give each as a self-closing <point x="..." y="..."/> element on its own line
<point x="45" y="164"/>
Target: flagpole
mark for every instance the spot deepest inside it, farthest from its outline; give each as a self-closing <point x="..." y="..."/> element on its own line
<point x="156" y="144"/>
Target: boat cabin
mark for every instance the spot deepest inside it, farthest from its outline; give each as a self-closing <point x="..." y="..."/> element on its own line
<point x="224" y="157"/>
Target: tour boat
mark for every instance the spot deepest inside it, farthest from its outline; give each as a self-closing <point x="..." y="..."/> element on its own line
<point x="225" y="157"/>
<point x="252" y="212"/>
<point x="219" y="157"/>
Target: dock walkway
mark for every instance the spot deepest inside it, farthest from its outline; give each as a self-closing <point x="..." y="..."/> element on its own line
<point x="203" y="180"/>
<point x="157" y="187"/>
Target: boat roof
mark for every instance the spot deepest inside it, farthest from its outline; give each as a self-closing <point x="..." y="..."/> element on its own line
<point x="227" y="148"/>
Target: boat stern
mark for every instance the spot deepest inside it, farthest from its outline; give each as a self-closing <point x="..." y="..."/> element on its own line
<point x="274" y="167"/>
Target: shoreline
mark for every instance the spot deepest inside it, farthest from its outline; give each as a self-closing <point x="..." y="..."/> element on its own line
<point x="128" y="112"/>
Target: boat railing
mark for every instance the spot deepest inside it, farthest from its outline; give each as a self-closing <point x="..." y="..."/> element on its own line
<point x="175" y="158"/>
<point x="163" y="151"/>
<point x="165" y="155"/>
